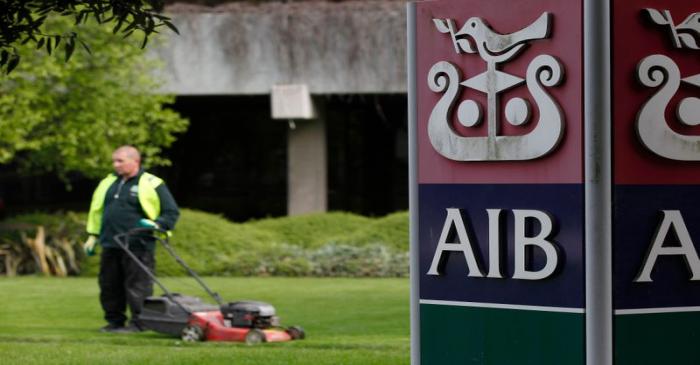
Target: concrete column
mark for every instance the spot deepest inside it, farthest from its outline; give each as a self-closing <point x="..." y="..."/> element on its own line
<point x="307" y="183"/>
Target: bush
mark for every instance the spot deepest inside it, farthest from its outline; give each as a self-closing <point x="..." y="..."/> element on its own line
<point x="328" y="244"/>
<point x="390" y="231"/>
<point x="312" y="230"/>
<point x="41" y="243"/>
<point x="331" y="260"/>
<point x="375" y="260"/>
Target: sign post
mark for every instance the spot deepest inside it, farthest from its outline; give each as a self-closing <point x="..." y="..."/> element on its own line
<point x="513" y="125"/>
<point x="656" y="275"/>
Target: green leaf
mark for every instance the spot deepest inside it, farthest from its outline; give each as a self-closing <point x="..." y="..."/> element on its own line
<point x="145" y="40"/>
<point x="150" y="25"/>
<point x="3" y="57"/>
<point x="84" y="16"/>
<point x="48" y="45"/>
<point x="119" y="25"/>
<point x="45" y="10"/>
<point x="39" y="22"/>
<point x="171" y="26"/>
<point x="70" y="47"/>
<point x="130" y="27"/>
<point x="85" y="46"/>
<point x="40" y="43"/>
<point x="14" y="61"/>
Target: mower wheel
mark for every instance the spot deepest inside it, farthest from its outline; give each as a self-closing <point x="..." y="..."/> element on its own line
<point x="296" y="333"/>
<point x="255" y="336"/>
<point x="192" y="333"/>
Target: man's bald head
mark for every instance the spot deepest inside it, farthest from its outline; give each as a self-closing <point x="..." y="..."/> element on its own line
<point x="130" y="151"/>
<point x="126" y="161"/>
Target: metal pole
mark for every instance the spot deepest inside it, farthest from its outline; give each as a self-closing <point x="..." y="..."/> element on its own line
<point x="413" y="181"/>
<point x="598" y="181"/>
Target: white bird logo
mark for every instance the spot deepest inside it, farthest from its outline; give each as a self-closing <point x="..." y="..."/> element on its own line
<point x="476" y="36"/>
<point x="497" y="47"/>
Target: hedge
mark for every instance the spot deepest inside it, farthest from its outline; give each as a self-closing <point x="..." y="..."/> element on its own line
<point x="325" y="244"/>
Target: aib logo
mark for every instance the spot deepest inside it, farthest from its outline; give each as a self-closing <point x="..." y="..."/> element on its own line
<point x="475" y="37"/>
<point x="662" y="72"/>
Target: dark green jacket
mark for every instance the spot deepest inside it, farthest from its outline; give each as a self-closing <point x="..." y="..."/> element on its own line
<point x="122" y="211"/>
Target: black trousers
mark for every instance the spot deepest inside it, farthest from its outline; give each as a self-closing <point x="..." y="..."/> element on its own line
<point x="123" y="282"/>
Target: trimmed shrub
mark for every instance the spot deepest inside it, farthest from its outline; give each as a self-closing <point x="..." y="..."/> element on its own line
<point x="312" y="230"/>
<point x="374" y="260"/>
<point x="331" y="260"/>
<point x="390" y="231"/>
<point x="328" y="244"/>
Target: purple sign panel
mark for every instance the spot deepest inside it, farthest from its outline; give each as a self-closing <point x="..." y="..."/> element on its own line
<point x="506" y="244"/>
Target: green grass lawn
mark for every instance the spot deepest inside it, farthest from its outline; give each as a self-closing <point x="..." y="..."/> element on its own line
<point x="347" y="321"/>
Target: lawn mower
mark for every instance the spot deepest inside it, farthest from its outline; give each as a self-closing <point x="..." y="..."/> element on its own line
<point x="194" y="320"/>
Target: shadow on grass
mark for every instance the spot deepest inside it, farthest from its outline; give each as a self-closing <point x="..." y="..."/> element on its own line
<point x="95" y="338"/>
<point x="151" y="339"/>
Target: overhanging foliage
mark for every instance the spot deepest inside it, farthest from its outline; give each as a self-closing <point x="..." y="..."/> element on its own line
<point x="63" y="118"/>
<point x="23" y="22"/>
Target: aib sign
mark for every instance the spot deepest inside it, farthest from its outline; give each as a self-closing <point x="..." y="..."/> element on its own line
<point x="662" y="73"/>
<point x="475" y="38"/>
<point x="499" y="164"/>
<point x="500" y="194"/>
<point x="656" y="181"/>
<point x="523" y="243"/>
<point x="657" y="151"/>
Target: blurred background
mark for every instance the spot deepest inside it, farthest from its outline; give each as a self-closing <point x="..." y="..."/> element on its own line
<point x="279" y="126"/>
<point x="293" y="107"/>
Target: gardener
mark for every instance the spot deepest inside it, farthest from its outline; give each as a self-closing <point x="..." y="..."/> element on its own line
<point x="127" y="199"/>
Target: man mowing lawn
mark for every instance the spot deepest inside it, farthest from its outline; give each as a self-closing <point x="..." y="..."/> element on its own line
<point x="128" y="198"/>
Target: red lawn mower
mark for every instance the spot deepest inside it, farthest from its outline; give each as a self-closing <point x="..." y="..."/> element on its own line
<point x="193" y="320"/>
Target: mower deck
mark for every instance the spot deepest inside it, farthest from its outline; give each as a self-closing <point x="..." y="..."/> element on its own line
<point x="211" y="326"/>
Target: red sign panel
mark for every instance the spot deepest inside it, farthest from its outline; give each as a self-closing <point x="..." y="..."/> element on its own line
<point x="657" y="79"/>
<point x="495" y="91"/>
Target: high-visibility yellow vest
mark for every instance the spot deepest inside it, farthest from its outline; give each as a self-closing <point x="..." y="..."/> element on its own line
<point x="148" y="198"/>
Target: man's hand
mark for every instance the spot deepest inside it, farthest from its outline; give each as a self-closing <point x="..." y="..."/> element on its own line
<point x="147" y="223"/>
<point x="89" y="245"/>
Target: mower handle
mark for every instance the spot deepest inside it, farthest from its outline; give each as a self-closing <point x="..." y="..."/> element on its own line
<point x="164" y="241"/>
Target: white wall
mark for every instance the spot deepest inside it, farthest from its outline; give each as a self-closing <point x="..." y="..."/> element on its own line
<point x="243" y="48"/>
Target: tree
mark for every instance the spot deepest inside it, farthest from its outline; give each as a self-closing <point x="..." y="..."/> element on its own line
<point x="68" y="117"/>
<point x="23" y="22"/>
